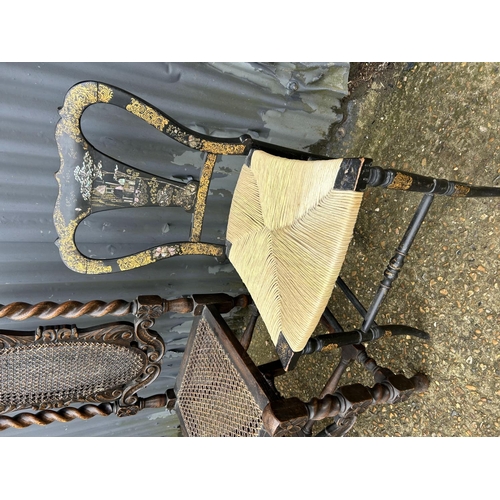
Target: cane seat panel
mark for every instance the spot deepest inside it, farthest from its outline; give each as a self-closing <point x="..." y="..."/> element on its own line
<point x="213" y="398"/>
<point x="220" y="392"/>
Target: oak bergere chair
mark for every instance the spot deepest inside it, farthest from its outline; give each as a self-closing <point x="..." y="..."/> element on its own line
<point x="291" y="220"/>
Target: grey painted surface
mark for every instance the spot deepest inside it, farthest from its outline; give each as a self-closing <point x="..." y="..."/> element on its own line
<point x="288" y="104"/>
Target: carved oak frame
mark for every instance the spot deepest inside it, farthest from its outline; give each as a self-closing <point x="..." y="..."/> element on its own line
<point x="135" y="337"/>
<point x="122" y="400"/>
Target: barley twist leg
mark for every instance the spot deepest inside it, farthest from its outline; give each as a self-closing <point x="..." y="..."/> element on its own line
<point x="46" y="417"/>
<point x="20" y="311"/>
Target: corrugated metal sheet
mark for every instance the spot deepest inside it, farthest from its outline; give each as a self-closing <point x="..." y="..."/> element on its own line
<point x="285" y="103"/>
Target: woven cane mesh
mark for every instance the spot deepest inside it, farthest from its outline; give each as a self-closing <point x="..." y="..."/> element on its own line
<point x="289" y="231"/>
<point x="213" y="399"/>
<point x="59" y="373"/>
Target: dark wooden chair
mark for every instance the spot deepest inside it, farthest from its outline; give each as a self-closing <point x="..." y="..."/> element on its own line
<point x="64" y="372"/>
<point x="221" y="392"/>
<point x="289" y="228"/>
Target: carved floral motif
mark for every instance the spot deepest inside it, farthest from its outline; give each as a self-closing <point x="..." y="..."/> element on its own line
<point x="56" y="333"/>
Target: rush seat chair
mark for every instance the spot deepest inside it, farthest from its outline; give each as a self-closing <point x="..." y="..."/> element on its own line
<point x="291" y="220"/>
<point x="290" y="224"/>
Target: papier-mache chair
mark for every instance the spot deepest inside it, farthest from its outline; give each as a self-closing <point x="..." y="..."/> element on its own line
<point x="290" y="225"/>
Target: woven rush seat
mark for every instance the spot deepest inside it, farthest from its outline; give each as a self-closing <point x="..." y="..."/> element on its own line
<point x="289" y="228"/>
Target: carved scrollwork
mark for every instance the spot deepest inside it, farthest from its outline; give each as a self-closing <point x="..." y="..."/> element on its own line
<point x="105" y="396"/>
<point x="150" y="342"/>
<point x="114" y="332"/>
<point x="8" y="340"/>
<point x="56" y="333"/>
<point x="147" y="309"/>
<point x="111" y="333"/>
<point x="129" y="396"/>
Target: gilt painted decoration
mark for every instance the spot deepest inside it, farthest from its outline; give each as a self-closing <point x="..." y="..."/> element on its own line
<point x="90" y="181"/>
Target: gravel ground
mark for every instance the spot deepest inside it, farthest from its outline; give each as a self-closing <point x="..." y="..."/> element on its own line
<point x="440" y="120"/>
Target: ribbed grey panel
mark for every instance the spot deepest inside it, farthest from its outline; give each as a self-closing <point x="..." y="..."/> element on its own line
<point x="289" y="104"/>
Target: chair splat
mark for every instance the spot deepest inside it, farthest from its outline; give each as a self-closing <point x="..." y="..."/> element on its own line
<point x="91" y="181"/>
